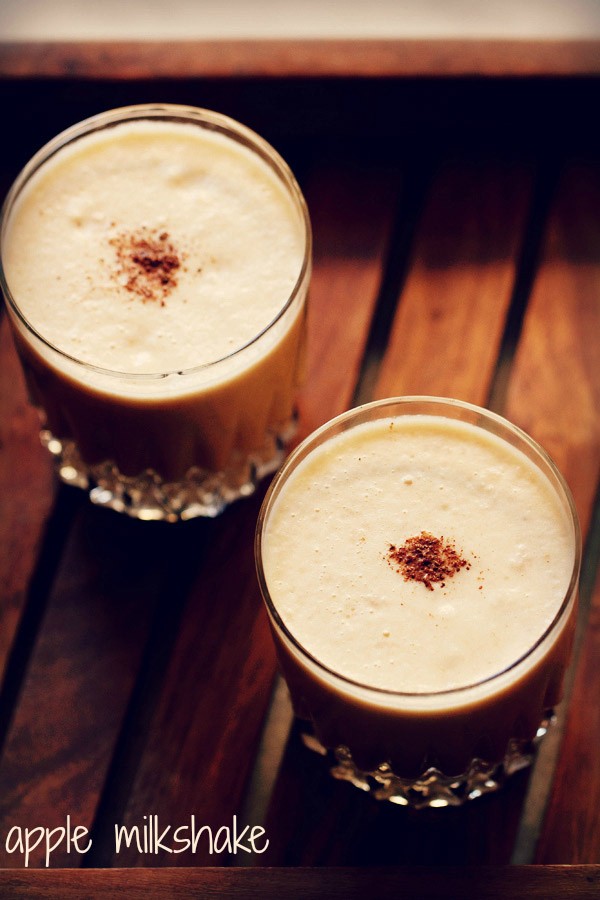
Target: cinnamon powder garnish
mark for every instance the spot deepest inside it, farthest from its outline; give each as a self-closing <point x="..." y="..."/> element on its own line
<point x="148" y="263"/>
<point x="427" y="559"/>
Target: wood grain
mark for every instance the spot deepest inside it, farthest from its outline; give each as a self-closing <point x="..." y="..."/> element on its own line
<point x="554" y="391"/>
<point x="376" y="58"/>
<point x="459" y="287"/>
<point x="485" y="883"/>
<point x="352" y="207"/>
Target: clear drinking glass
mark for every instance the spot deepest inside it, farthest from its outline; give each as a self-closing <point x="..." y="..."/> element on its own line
<point x="181" y="440"/>
<point x="419" y="748"/>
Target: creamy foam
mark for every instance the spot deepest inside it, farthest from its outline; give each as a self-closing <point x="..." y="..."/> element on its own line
<point x="327" y="541"/>
<point x="158" y="261"/>
<point x="206" y="201"/>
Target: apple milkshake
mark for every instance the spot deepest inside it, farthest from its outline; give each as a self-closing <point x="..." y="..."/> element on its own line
<point x="155" y="264"/>
<point x="419" y="563"/>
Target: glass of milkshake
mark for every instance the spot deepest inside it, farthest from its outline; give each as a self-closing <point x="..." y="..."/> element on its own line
<point x="419" y="561"/>
<point x="155" y="262"/>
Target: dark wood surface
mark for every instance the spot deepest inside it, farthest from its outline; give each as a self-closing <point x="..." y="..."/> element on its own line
<point x="485" y="883"/>
<point x="457" y="252"/>
<point x="372" y="58"/>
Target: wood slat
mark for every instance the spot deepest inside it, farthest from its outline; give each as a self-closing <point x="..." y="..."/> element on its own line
<point x="447" y="331"/>
<point x="554" y="394"/>
<point x="373" y="58"/>
<point x="554" y="391"/>
<point x="353" y="207"/>
<point x="484" y="883"/>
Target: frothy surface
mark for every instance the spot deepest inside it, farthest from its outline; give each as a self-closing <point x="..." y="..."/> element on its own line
<point x="326" y="552"/>
<point x="88" y="238"/>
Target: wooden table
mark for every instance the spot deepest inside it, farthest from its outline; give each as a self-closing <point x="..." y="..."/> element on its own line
<point x="455" y="199"/>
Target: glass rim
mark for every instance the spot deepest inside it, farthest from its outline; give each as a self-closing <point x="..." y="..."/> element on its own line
<point x="212" y="121"/>
<point x="356" y="413"/>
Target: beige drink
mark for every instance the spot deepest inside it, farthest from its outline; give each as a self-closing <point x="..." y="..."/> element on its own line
<point x="156" y="262"/>
<point x="419" y="561"/>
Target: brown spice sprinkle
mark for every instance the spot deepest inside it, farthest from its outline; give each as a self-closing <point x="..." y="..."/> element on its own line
<point x="427" y="559"/>
<point x="147" y="263"/>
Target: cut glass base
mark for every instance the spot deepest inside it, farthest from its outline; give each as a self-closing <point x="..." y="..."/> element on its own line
<point x="433" y="788"/>
<point x="147" y="496"/>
